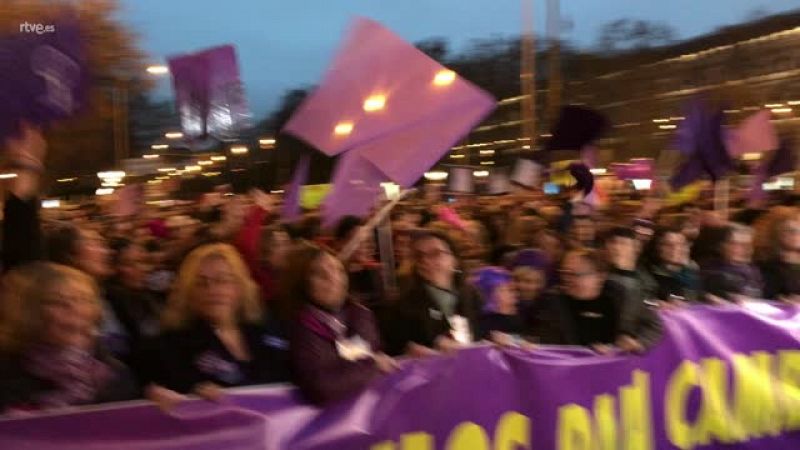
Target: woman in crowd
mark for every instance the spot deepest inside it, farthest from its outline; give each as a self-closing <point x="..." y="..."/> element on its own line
<point x="49" y="353"/>
<point x="782" y="271"/>
<point x="500" y="320"/>
<point x="588" y="311"/>
<point x="436" y="309"/>
<point x="732" y="277"/>
<point x="335" y="347"/>
<point x="363" y="271"/>
<point x="528" y="269"/>
<point x="667" y="261"/>
<point x="213" y="331"/>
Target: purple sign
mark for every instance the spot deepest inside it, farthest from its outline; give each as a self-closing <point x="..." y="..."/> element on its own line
<point x="707" y="385"/>
<point x="636" y="169"/>
<point x="45" y="77"/>
<point x="209" y="94"/>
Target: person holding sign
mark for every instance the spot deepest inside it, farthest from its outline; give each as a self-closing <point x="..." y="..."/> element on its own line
<point x="335" y="347"/>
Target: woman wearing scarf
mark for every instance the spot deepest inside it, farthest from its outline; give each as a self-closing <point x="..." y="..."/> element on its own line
<point x="667" y="261"/>
<point x="335" y="346"/>
<point x="733" y="277"/>
<point x="49" y="353"/>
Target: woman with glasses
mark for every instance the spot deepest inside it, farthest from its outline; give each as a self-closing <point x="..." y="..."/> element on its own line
<point x="782" y="272"/>
<point x="732" y="276"/>
<point x="436" y="310"/>
<point x="589" y="311"/>
<point x="213" y="331"/>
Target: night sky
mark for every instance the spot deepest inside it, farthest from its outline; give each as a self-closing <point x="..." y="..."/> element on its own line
<point x="288" y="43"/>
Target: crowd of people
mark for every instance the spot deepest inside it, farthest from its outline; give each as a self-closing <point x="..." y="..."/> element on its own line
<point x="197" y="298"/>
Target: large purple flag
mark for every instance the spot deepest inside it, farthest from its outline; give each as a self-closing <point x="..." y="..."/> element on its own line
<point x="209" y="94"/>
<point x="756" y="134"/>
<point x="383" y="94"/>
<point x="707" y="385"/>
<point x="291" y="200"/>
<point x="356" y="188"/>
<point x="700" y="138"/>
<point x="44" y="76"/>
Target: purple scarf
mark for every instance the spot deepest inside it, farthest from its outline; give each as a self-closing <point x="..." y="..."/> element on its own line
<point x="77" y="376"/>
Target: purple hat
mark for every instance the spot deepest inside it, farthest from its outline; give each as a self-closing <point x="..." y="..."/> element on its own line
<point x="532" y="258"/>
<point x="487" y="280"/>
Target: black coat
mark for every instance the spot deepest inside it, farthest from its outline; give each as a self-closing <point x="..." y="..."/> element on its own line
<point x="22" y="235"/>
<point x="416" y="318"/>
<point x="633" y="317"/>
<point x="180" y="359"/>
<point x="780" y="279"/>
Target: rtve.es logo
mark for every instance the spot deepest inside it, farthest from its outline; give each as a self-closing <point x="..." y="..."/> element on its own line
<point x="37" y="28"/>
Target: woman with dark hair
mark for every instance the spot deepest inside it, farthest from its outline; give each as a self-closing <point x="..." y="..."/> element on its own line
<point x="364" y="273"/>
<point x="666" y="260"/>
<point x="782" y="271"/>
<point x="732" y="276"/>
<point x="591" y="312"/>
<point x="335" y="346"/>
<point x="436" y="309"/>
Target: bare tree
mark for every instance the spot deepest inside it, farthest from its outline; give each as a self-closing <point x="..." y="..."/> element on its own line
<point x="633" y="34"/>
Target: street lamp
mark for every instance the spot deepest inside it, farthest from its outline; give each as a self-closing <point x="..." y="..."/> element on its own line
<point x="174" y="135"/>
<point x="157" y="70"/>
<point x="239" y="150"/>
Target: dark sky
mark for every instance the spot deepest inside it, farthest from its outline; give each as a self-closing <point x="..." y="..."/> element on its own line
<point x="287" y="43"/>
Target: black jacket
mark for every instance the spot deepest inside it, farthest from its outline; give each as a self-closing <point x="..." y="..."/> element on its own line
<point x="180" y="359"/>
<point x="633" y="317"/>
<point x="780" y="279"/>
<point x="22" y="235"/>
<point x="415" y="317"/>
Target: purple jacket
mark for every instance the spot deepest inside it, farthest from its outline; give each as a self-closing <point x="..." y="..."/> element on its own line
<point x="321" y="374"/>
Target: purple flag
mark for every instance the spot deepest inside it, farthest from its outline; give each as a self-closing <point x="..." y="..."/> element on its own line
<point x="44" y="76"/>
<point x="209" y="94"/>
<point x="382" y="95"/>
<point x="636" y="169"/>
<point x="700" y="139"/>
<point x="756" y="134"/>
<point x="291" y="200"/>
<point x="782" y="160"/>
<point x="356" y="187"/>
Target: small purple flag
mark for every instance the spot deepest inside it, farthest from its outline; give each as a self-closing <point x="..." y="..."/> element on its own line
<point x="383" y="96"/>
<point x="356" y="188"/>
<point x="291" y="200"/>
<point x="756" y="134"/>
<point x="701" y="140"/>
<point x="44" y="76"/>
<point x="209" y="94"/>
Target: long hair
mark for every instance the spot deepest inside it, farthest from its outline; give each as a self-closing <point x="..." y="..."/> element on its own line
<point x="293" y="290"/>
<point x="178" y="312"/>
<point x="26" y="292"/>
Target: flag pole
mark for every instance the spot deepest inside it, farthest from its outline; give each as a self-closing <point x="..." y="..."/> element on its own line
<point x="722" y="190"/>
<point x="527" y="76"/>
<point x="352" y="245"/>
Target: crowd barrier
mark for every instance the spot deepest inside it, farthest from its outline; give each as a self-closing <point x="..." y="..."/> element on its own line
<point x="721" y="378"/>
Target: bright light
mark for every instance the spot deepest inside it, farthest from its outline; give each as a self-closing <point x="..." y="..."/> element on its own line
<point x="751" y="156"/>
<point x="205" y="163"/>
<point x="794" y="102"/>
<point x="774" y="105"/>
<point x="167" y="169"/>
<point x="49" y="204"/>
<point x="343" y="128"/>
<point x="239" y="150"/>
<point x="457" y="156"/>
<point x="157" y="70"/>
<point x="732" y="111"/>
<point x="193" y="169"/>
<point x="111" y="183"/>
<point x="104" y="191"/>
<point x="391" y="190"/>
<point x="487" y="163"/>
<point x="598" y="171"/>
<point x="162" y="178"/>
<point x="660" y="120"/>
<point x="218" y="158"/>
<point x="481" y="173"/>
<point x="667" y="127"/>
<point x="487" y="152"/>
<point x="642" y="185"/>
<point x="526" y="147"/>
<point x="159" y="146"/>
<point x="174" y="135"/>
<point x="211" y="174"/>
<point x="674" y="119"/>
<point x="266" y="141"/>
<point x="781" y="110"/>
<point x="444" y="77"/>
<point x="374" y="103"/>
<point x="156" y="181"/>
<point x="113" y="174"/>
<point x="151" y="156"/>
<point x="7" y="176"/>
<point x="278" y="191"/>
<point x="66" y="180"/>
<point x="436" y="175"/>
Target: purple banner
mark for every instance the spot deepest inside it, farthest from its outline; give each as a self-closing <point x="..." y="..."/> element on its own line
<point x="45" y="77"/>
<point x="725" y="378"/>
<point x="209" y="94"/>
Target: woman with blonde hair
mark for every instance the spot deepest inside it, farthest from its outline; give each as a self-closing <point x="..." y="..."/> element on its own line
<point x="49" y="353"/>
<point x="213" y="331"/>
